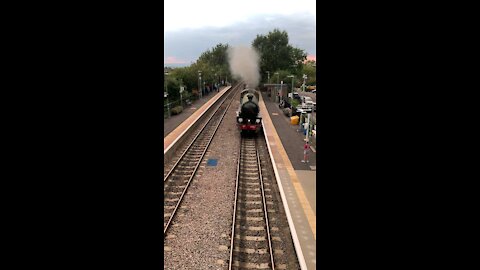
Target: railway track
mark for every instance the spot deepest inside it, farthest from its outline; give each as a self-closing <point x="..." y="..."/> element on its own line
<point x="169" y="165"/>
<point x="178" y="178"/>
<point x="259" y="238"/>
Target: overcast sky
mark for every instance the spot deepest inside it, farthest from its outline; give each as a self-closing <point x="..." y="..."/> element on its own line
<point x="192" y="27"/>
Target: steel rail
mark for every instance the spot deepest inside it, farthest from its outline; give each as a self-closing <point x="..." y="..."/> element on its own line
<point x="199" y="161"/>
<point x="264" y="206"/>
<point x="259" y="167"/>
<point x="235" y="207"/>
<point x="194" y="140"/>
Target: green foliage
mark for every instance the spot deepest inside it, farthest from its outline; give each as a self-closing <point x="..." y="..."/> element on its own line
<point x="310" y="71"/>
<point x="186" y="95"/>
<point x="185" y="77"/>
<point x="277" y="54"/>
<point x="306" y="68"/>
<point x="215" y="57"/>
<point x="214" y="64"/>
<point x="295" y="103"/>
<point x="172" y="86"/>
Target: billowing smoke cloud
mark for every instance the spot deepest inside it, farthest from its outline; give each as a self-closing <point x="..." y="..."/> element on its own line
<point x="244" y="64"/>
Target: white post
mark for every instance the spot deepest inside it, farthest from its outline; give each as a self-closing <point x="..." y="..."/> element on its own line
<point x="308" y="126"/>
<point x="276" y="86"/>
<point x="304" y="77"/>
<point x="168" y="108"/>
<point x="166" y="86"/>
<point x="200" y="83"/>
<point x="181" y="90"/>
<point x="291" y="100"/>
<point x="281" y="89"/>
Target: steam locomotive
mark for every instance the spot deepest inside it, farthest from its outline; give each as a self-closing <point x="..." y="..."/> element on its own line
<point x="248" y="115"/>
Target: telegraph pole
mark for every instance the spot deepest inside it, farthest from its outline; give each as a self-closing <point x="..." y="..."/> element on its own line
<point x="291" y="97"/>
<point x="304" y="78"/>
<point x="200" y="83"/>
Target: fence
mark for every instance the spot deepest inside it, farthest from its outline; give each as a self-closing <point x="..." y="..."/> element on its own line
<point x="186" y="101"/>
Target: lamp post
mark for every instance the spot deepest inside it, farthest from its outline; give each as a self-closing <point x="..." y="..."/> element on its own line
<point x="278" y="81"/>
<point x="166" y="82"/>
<point x="166" y="94"/>
<point x="214" y="75"/>
<point x="304" y="78"/>
<point x="200" y="83"/>
<point x="291" y="97"/>
<point x="308" y="127"/>
<point x="181" y="90"/>
<point x="281" y="89"/>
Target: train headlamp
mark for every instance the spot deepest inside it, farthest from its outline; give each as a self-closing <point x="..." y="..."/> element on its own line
<point x="257" y="121"/>
<point x="240" y="120"/>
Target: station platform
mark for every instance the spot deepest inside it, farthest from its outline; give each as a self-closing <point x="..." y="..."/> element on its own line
<point x="296" y="180"/>
<point x="184" y="125"/>
<point x="293" y="185"/>
<point x="172" y="122"/>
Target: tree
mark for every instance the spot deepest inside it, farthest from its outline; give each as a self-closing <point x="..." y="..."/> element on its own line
<point x="310" y="71"/>
<point x="173" y="87"/>
<point x="216" y="57"/>
<point x="215" y="61"/>
<point x="276" y="54"/>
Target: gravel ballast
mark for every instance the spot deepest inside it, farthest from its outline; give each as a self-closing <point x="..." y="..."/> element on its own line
<point x="200" y="233"/>
<point x="199" y="237"/>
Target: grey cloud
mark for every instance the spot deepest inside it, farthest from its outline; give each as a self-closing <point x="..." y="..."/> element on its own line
<point x="189" y="44"/>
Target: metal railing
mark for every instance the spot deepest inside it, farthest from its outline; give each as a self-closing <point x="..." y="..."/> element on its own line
<point x="185" y="102"/>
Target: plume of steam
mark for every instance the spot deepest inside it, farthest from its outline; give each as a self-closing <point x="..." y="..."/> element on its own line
<point x="244" y="64"/>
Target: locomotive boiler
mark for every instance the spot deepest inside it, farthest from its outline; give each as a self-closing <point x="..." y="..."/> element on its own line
<point x="248" y="115"/>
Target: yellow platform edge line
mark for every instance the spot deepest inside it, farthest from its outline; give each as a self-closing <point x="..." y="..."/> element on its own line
<point x="296" y="241"/>
<point x="307" y="208"/>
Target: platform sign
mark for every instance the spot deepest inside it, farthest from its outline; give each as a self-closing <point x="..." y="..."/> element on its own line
<point x="304" y="110"/>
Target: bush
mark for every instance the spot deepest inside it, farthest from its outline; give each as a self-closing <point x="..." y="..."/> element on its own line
<point x="177" y="110"/>
<point x="295" y="103"/>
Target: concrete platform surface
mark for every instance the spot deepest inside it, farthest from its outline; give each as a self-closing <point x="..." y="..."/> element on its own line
<point x="297" y="180"/>
<point x="183" y="126"/>
<point x="309" y="184"/>
<point x="300" y="214"/>
<point x="171" y="123"/>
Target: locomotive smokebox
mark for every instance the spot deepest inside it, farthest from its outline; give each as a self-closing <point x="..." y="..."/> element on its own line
<point x="248" y="117"/>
